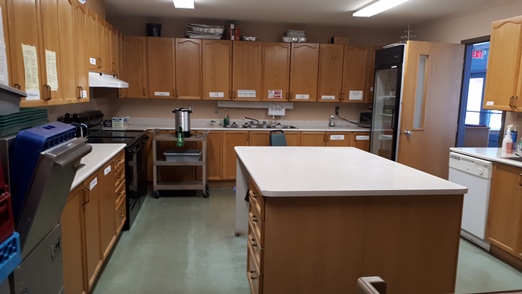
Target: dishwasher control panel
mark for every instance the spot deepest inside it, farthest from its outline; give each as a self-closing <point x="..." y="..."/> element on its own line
<point x="471" y="165"/>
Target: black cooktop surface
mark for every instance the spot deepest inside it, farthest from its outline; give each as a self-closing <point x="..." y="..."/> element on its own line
<point x="114" y="136"/>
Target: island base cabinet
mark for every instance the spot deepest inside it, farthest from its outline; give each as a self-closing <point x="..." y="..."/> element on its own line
<point x="324" y="244"/>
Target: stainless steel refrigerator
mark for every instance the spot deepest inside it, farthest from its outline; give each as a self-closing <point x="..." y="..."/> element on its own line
<point x="386" y="101"/>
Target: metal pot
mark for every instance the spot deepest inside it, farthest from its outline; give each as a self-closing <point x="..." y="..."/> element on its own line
<point x="182" y="121"/>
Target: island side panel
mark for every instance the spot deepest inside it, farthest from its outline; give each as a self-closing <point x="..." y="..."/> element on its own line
<point x="313" y="244"/>
<point x="242" y="179"/>
<point x="412" y="242"/>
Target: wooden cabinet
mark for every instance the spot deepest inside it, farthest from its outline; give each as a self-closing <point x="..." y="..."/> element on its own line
<point x="217" y="69"/>
<point x="260" y="138"/>
<point x="135" y="64"/>
<point x="342" y="139"/>
<point x="5" y="24"/>
<point x="275" y="71"/>
<point x="503" y="81"/>
<point x="115" y="51"/>
<point x="188" y="69"/>
<point x="358" y="74"/>
<point x="246" y="71"/>
<point x="293" y="138"/>
<point x="304" y="71"/>
<point x="91" y="31"/>
<point x="505" y="209"/>
<point x="81" y="57"/>
<point x="361" y="140"/>
<point x="160" y="52"/>
<point x="232" y="139"/>
<point x="330" y="76"/>
<point x="214" y="155"/>
<point x="89" y="230"/>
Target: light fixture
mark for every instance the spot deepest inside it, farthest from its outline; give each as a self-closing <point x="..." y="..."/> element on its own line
<point x="186" y="4"/>
<point x="377" y="7"/>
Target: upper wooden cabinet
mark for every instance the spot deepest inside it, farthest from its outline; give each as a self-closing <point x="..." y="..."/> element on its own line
<point x="504" y="75"/>
<point x="246" y="71"/>
<point x="80" y="51"/>
<point x="330" y="76"/>
<point x="68" y="75"/>
<point x="135" y="65"/>
<point x="91" y="31"/>
<point x="304" y="71"/>
<point x="188" y="69"/>
<point x="217" y="69"/>
<point x="160" y="62"/>
<point x="358" y="73"/>
<point x="275" y="71"/>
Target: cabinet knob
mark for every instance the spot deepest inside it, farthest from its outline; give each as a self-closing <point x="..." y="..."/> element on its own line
<point x="122" y="215"/>
<point x="17" y="86"/>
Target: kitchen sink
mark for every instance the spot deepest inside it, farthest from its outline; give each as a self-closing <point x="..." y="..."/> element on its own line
<point x="284" y="127"/>
<point x="519" y="159"/>
<point x="257" y="126"/>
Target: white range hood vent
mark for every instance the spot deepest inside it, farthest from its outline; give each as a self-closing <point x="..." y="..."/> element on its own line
<point x="99" y="80"/>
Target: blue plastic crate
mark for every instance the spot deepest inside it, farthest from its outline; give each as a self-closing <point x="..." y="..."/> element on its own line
<point x="10" y="256"/>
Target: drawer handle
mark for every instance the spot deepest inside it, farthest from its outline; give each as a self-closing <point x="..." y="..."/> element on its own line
<point x="253" y="242"/>
<point x="253" y="194"/>
<point x="254" y="218"/>
<point x="253" y="275"/>
<point x="122" y="215"/>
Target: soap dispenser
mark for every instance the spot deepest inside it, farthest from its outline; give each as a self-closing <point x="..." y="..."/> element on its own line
<point x="507" y="142"/>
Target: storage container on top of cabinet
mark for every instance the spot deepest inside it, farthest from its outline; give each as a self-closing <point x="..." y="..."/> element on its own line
<point x="504" y="75"/>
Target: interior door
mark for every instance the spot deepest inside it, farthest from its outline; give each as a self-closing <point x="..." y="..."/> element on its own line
<point x="428" y="126"/>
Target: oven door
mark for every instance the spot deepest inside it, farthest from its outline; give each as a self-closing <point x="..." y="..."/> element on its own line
<point x="136" y="178"/>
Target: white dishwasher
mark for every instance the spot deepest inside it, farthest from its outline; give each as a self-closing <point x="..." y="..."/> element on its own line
<point x="475" y="174"/>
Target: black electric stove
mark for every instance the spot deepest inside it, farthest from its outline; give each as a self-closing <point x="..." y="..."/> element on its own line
<point x="135" y="158"/>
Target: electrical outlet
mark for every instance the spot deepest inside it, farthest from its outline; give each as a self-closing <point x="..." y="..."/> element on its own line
<point x="216" y="110"/>
<point x="337" y="110"/>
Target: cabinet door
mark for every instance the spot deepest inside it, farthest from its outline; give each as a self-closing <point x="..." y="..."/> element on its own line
<point x="107" y="48"/>
<point x="92" y="228"/>
<point x="23" y="32"/>
<point x="313" y="138"/>
<point x="217" y="69"/>
<point x="341" y="139"/>
<point x="135" y="65"/>
<point x="106" y="182"/>
<point x="101" y="40"/>
<point x="80" y="52"/>
<point x="246" y="80"/>
<point x="293" y="138"/>
<point x="91" y="25"/>
<point x="275" y="72"/>
<point x="214" y="156"/>
<point x="188" y="69"/>
<point x="504" y="70"/>
<point x="68" y="78"/>
<point x="330" y="77"/>
<point x="505" y="209"/>
<point x="361" y="141"/>
<point x="115" y="51"/>
<point x="355" y="71"/>
<point x="303" y="72"/>
<point x="261" y="138"/>
<point x="160" y="52"/>
<point x="232" y="139"/>
<point x="72" y="243"/>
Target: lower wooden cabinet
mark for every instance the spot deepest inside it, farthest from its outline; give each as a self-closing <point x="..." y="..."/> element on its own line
<point x="361" y="141"/>
<point x="505" y="209"/>
<point x="232" y="139"/>
<point x="89" y="230"/>
<point x="340" y="139"/>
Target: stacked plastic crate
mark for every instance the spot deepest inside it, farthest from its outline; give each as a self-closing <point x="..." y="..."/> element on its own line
<point x="10" y="255"/>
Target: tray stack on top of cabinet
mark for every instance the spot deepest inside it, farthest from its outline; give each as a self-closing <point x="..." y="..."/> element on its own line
<point x="256" y="228"/>
<point x="200" y="31"/>
<point x="119" y="192"/>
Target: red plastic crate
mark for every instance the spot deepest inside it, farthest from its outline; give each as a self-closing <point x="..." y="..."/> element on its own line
<point x="6" y="210"/>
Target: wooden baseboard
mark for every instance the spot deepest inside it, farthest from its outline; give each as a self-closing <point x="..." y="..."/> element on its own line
<point x="221" y="184"/>
<point x="506" y="257"/>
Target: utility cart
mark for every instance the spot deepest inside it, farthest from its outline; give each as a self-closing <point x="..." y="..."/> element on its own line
<point x="180" y="157"/>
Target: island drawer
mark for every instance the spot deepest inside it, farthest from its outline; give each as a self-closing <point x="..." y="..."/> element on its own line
<point x="119" y="194"/>
<point x="255" y="278"/>
<point x="257" y="200"/>
<point x="120" y="176"/>
<point x="257" y="226"/>
<point x="257" y="251"/>
<point x="119" y="215"/>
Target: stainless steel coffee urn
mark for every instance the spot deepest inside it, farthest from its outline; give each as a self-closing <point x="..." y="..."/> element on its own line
<point x="182" y="121"/>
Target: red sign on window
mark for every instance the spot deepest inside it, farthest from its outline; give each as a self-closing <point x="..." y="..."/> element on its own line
<point x="477" y="54"/>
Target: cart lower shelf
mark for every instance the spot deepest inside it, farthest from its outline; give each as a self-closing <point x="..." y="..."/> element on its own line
<point x="185" y="185"/>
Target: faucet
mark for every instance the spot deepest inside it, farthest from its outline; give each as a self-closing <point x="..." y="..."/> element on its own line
<point x="251" y="119"/>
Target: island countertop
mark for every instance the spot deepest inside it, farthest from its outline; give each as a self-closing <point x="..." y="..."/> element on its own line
<point x="336" y="171"/>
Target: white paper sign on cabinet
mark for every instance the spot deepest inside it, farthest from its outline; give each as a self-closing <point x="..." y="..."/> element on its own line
<point x="31" y="72"/>
<point x="302" y="96"/>
<point x="52" y="73"/>
<point x="246" y="93"/>
<point x="216" y="94"/>
<point x="355" y="95"/>
<point x="275" y="94"/>
<point x="336" y="137"/>
<point x="4" y="74"/>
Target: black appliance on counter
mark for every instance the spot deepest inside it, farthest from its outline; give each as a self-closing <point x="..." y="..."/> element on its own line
<point x="135" y="158"/>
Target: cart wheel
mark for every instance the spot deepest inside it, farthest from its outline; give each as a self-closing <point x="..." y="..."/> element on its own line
<point x="205" y="194"/>
<point x="156" y="194"/>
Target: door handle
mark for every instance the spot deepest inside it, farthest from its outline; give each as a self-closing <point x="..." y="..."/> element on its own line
<point x="408" y="133"/>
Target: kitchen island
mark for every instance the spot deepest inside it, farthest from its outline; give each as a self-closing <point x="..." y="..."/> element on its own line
<point x="319" y="218"/>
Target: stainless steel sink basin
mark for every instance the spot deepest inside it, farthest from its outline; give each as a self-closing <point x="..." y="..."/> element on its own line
<point x="284" y="127"/>
<point x="519" y="159"/>
<point x="257" y="126"/>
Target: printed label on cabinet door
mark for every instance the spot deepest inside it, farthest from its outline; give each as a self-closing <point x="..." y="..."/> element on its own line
<point x="302" y="96"/>
<point x="489" y="103"/>
<point x="107" y="170"/>
<point x="162" y="94"/>
<point x="92" y="61"/>
<point x="355" y="95"/>
<point x="93" y="183"/>
<point x="362" y="138"/>
<point x="32" y="84"/>
<point x="246" y="93"/>
<point x="51" y="71"/>
<point x="327" y="97"/>
<point x="336" y="137"/>
<point x="216" y="94"/>
<point x="275" y="94"/>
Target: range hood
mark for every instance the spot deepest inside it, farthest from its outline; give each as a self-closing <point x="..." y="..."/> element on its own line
<point x="99" y="80"/>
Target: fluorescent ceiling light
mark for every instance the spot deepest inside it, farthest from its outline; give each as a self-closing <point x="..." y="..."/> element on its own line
<point x="187" y="4"/>
<point x="377" y="7"/>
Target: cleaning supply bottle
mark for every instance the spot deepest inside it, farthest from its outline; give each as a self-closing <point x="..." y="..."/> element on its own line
<point x="507" y="142"/>
<point x="226" y="120"/>
<point x="180" y="141"/>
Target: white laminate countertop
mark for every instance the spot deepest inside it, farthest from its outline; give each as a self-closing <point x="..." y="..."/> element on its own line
<point x="100" y="154"/>
<point x="205" y="124"/>
<point x="336" y="171"/>
<point x="491" y="154"/>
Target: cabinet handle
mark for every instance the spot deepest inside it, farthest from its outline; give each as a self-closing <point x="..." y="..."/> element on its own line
<point x="230" y="94"/>
<point x="144" y="94"/>
<point x="253" y="194"/>
<point x="340" y="96"/>
<point x="511" y="101"/>
<point x="515" y="102"/>
<point x="176" y="93"/>
<point x="253" y="275"/>
<point x="253" y="242"/>
<point x="173" y="93"/>
<point x="288" y="96"/>
<point x="99" y="64"/>
<point x="47" y="92"/>
<point x="254" y="218"/>
<point x="233" y="95"/>
<point x="122" y="215"/>
<point x="85" y="195"/>
<point x="17" y="86"/>
<point x="79" y="93"/>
